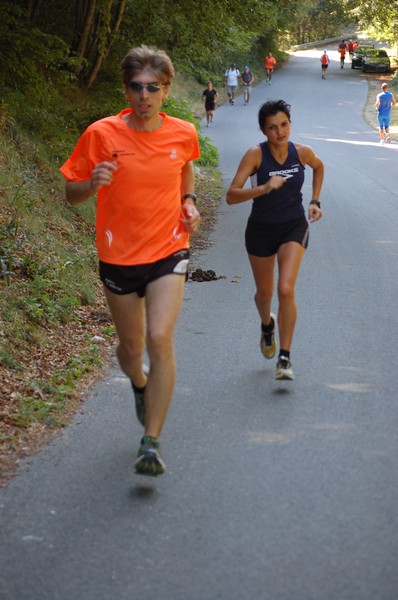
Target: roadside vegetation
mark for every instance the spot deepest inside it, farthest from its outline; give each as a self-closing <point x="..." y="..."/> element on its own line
<point x="60" y="71"/>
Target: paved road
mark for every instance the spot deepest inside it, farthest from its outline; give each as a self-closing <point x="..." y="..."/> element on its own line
<point x="275" y="490"/>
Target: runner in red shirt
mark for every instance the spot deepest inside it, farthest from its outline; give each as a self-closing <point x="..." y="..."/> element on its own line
<point x="342" y="50"/>
<point x="324" y="63"/>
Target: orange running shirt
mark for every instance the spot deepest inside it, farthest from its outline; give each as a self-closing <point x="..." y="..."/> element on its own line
<point x="270" y="62"/>
<point x="138" y="215"/>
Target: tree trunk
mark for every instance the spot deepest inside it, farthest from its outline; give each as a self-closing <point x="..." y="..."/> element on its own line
<point x="84" y="24"/>
<point x="102" y="51"/>
<point x="33" y="8"/>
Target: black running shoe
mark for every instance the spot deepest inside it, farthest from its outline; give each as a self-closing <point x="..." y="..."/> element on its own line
<point x="149" y="460"/>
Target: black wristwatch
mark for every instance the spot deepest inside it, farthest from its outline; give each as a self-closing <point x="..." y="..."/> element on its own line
<point x="316" y="202"/>
<point x="191" y="196"/>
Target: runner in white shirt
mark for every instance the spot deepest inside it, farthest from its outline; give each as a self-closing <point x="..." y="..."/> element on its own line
<point x="231" y="81"/>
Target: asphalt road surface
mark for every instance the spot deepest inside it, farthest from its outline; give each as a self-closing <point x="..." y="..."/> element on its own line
<point x="274" y="490"/>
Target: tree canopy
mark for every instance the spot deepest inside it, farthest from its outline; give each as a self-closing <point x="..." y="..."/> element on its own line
<point x="197" y="33"/>
<point x="51" y="49"/>
<point x="378" y="17"/>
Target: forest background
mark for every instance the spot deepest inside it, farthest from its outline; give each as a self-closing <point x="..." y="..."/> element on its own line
<point x="60" y="71"/>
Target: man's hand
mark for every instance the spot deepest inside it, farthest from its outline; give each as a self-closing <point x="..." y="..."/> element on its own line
<point x="191" y="217"/>
<point x="102" y="174"/>
<point x="79" y="191"/>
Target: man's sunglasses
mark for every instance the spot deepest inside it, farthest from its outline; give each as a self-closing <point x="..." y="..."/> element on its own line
<point x="136" y="86"/>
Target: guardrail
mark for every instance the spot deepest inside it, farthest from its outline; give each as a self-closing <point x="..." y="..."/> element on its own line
<point x="351" y="36"/>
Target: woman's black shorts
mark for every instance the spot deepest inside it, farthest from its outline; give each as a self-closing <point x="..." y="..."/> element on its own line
<point x="264" y="239"/>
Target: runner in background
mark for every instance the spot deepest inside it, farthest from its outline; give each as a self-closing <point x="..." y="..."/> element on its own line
<point x="247" y="80"/>
<point x="384" y="102"/>
<point x="210" y="97"/>
<point x="231" y="78"/>
<point x="351" y="47"/>
<point x="324" y="63"/>
<point x="342" y="50"/>
<point x="269" y="64"/>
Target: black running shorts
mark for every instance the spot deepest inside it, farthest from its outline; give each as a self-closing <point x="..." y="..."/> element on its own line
<point x="264" y="239"/>
<point x="129" y="279"/>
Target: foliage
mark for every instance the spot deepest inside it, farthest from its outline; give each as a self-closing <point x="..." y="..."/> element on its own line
<point x="178" y="108"/>
<point x="197" y="31"/>
<point x="47" y="279"/>
<point x="310" y="20"/>
<point x="377" y="17"/>
<point x="33" y="62"/>
<point x="85" y="39"/>
<point x="45" y="269"/>
<point x="208" y="153"/>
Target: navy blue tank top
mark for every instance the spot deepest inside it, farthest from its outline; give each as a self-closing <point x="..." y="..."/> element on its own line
<point x="285" y="204"/>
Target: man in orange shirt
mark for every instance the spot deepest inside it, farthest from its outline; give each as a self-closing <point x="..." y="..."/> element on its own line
<point x="342" y="50"/>
<point x="140" y="165"/>
<point x="269" y="63"/>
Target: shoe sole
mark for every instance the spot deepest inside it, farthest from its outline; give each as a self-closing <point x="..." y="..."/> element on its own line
<point x="149" y="463"/>
<point x="284" y="376"/>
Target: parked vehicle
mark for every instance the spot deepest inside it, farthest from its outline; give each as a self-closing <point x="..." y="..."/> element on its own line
<point x="376" y="60"/>
<point x="357" y="56"/>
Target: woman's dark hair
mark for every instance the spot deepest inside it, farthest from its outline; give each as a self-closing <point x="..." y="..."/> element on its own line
<point x="271" y="108"/>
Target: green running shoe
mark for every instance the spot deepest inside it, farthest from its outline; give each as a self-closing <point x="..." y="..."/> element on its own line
<point x="149" y="460"/>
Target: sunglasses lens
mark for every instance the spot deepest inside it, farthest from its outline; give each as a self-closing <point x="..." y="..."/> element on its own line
<point x="136" y="86"/>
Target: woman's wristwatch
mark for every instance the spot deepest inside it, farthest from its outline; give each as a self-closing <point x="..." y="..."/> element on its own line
<point x="316" y="202"/>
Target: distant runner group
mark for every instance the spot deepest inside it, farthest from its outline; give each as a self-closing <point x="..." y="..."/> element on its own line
<point x="232" y="76"/>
